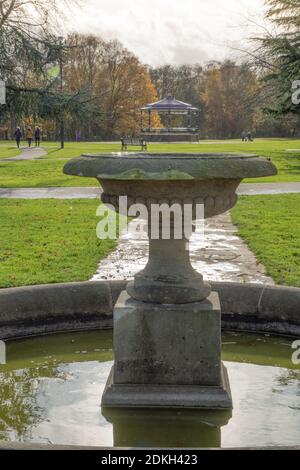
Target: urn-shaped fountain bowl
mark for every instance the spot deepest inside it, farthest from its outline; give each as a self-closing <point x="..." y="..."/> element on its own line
<point x="210" y="180"/>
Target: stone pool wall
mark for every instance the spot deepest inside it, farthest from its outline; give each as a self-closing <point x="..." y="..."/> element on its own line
<point x="38" y="310"/>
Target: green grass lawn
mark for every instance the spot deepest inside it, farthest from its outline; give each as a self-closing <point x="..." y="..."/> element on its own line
<point x="49" y="241"/>
<point x="8" y="149"/>
<point x="288" y="163"/>
<point x="75" y="149"/>
<point x="271" y="226"/>
<point x="39" y="174"/>
<point x="47" y="172"/>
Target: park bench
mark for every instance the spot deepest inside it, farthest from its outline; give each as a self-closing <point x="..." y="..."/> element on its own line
<point x="133" y="142"/>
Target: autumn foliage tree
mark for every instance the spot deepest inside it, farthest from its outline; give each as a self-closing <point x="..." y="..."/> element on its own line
<point x="229" y="100"/>
<point x="116" y="81"/>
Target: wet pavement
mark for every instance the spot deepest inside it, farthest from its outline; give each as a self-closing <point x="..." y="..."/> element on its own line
<point x="220" y="256"/>
<point x="31" y="153"/>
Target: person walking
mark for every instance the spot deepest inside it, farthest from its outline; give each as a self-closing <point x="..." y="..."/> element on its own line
<point x="29" y="136"/>
<point x="18" y="136"/>
<point x="78" y="136"/>
<point x="37" y="136"/>
<point x="249" y="137"/>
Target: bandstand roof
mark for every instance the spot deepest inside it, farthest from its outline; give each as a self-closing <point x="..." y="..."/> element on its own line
<point x="169" y="104"/>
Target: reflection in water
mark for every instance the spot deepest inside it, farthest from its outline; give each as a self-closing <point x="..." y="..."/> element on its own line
<point x="51" y="388"/>
<point x="19" y="410"/>
<point x="162" y="428"/>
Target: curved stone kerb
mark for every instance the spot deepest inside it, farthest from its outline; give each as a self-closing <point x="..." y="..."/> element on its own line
<point x="45" y="309"/>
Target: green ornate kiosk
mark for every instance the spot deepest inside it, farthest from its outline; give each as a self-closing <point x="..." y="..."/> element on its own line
<point x="172" y="112"/>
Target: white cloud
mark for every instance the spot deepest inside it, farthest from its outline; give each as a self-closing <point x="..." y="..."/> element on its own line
<point x="172" y="31"/>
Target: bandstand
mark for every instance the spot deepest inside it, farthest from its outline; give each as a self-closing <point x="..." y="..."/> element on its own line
<point x="172" y="112"/>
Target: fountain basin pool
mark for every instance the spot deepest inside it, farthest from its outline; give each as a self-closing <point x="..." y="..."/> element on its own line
<point x="51" y="390"/>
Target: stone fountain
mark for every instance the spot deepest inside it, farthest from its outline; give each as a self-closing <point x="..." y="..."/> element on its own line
<point x="167" y="324"/>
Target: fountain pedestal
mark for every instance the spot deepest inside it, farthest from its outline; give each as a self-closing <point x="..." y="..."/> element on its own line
<point x="167" y="326"/>
<point x="167" y="356"/>
<point x="169" y="277"/>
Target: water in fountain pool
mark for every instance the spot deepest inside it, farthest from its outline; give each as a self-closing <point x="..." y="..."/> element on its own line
<point x="51" y="391"/>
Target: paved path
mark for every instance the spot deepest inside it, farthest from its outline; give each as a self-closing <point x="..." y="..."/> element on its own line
<point x="93" y="193"/>
<point x="268" y="188"/>
<point x="51" y="193"/>
<point x="220" y="256"/>
<point x="31" y="153"/>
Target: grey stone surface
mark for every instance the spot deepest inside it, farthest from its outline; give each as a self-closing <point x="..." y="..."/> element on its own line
<point x="48" y="447"/>
<point x="166" y="167"/>
<point x="167" y="344"/>
<point x="169" y="276"/>
<point x="238" y="298"/>
<point x="200" y="397"/>
<point x="243" y="307"/>
<point x="38" y="310"/>
<point x="21" y="446"/>
<point x="55" y="299"/>
<point x="167" y="356"/>
<point x="27" y="311"/>
<point x="283" y="304"/>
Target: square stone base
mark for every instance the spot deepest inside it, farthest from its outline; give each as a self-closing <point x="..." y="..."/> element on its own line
<point x="167" y="356"/>
<point x="167" y="344"/>
<point x="193" y="397"/>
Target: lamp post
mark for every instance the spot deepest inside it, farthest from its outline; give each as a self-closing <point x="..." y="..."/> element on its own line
<point x="2" y="95"/>
<point x="61" y="75"/>
<point x="2" y="92"/>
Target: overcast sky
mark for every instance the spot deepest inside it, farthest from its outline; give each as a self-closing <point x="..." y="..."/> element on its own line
<point x="171" y="31"/>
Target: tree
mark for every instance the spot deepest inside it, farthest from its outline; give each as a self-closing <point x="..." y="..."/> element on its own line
<point x="130" y="87"/>
<point x="284" y="12"/>
<point x="30" y="52"/>
<point x="118" y="84"/>
<point x="27" y="35"/>
<point x="25" y="14"/>
<point x="279" y="56"/>
<point x="229" y="99"/>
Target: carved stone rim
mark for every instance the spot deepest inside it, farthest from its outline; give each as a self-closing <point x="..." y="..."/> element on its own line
<point x="186" y="155"/>
<point x="170" y="167"/>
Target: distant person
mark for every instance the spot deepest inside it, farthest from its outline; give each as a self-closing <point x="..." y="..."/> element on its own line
<point x="249" y="137"/>
<point x="37" y="136"/>
<point x="29" y="136"/>
<point x="244" y="137"/>
<point x="78" y="136"/>
<point x="18" y="136"/>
